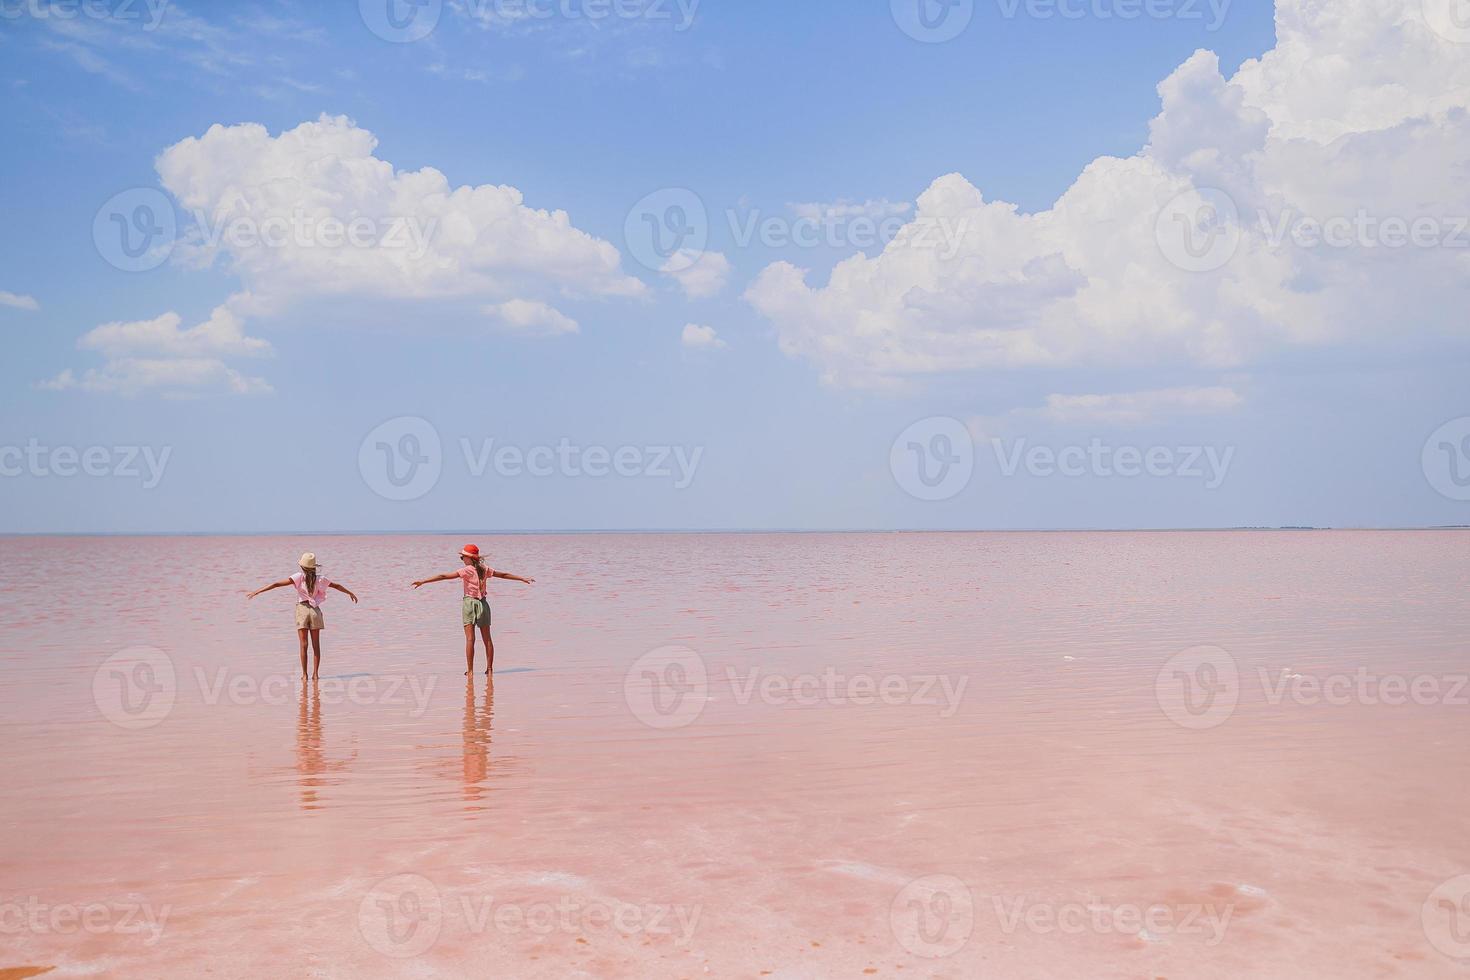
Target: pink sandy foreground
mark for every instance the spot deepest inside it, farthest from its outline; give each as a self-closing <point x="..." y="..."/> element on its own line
<point x="1005" y="755"/>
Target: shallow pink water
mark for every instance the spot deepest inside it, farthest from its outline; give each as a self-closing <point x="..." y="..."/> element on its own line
<point x="891" y="754"/>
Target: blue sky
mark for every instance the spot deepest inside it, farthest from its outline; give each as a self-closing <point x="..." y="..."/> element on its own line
<point x="1049" y="365"/>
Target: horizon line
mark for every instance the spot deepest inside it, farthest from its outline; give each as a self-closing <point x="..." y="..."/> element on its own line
<point x="402" y="532"/>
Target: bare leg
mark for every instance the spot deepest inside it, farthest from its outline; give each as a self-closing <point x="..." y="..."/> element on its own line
<point x="301" y="635"/>
<point x="489" y="649"/>
<point x="469" y="650"/>
<point x="316" y="649"/>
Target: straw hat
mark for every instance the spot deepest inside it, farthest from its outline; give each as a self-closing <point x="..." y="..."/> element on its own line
<point x="308" y="560"/>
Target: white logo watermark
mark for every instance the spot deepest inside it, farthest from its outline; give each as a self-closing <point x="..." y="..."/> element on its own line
<point x="1450" y="19"/>
<point x="403" y="458"/>
<point x="932" y="21"/>
<point x="229" y="686"/>
<point x="1211" y="13"/>
<point x="1446" y="459"/>
<point x="667" y="688"/>
<point x="1364" y="687"/>
<point x="669" y="230"/>
<point x="831" y="687"/>
<point x="1208" y="464"/>
<point x="677" y="464"/>
<point x="933" y="917"/>
<point x="933" y="459"/>
<point x="404" y="916"/>
<point x="135" y="688"/>
<point x="1202" y="229"/>
<point x="1446" y="918"/>
<point x="1198" y="688"/>
<point x="138" y="229"/>
<point x="1149" y="922"/>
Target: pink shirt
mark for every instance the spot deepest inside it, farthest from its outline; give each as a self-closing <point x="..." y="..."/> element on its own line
<point x="311" y="599"/>
<point x="471" y="577"/>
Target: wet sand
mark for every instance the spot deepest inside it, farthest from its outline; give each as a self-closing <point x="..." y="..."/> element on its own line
<point x="744" y="755"/>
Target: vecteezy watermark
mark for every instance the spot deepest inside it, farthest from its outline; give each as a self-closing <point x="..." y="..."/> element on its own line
<point x="1211" y="13"/>
<point x="135" y="688"/>
<point x="1199" y="230"/>
<point x="401" y="916"/>
<point x="667" y="230"/>
<point x="143" y="463"/>
<point x="1210" y="464"/>
<point x="1365" y="687"/>
<point x="404" y="916"/>
<point x="831" y="687"/>
<point x="403" y="21"/>
<point x="807" y="229"/>
<point x="300" y="228"/>
<point x="136" y="230"/>
<point x="226" y="685"/>
<point x="149" y="12"/>
<point x="1151" y="923"/>
<point x="128" y="918"/>
<point x="678" y="464"/>
<point x="933" y="917"/>
<point x="932" y="21"/>
<point x="1202" y="229"/>
<point x="1446" y="459"/>
<point x="667" y="688"/>
<point x="933" y="459"/>
<point x="1198" y="688"/>
<point x="1450" y="19"/>
<point x="1446" y="918"/>
<point x="402" y="458"/>
<point x="1201" y="687"/>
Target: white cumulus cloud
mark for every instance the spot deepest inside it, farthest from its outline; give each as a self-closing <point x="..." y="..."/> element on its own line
<point x="313" y="211"/>
<point x="531" y="318"/>
<point x="1140" y="407"/>
<point x="176" y="377"/>
<point x="700" y="274"/>
<point x="19" y="301"/>
<point x="1207" y="246"/>
<point x="698" y="337"/>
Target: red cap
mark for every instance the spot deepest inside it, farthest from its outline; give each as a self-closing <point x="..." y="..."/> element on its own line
<point x="470" y="551"/>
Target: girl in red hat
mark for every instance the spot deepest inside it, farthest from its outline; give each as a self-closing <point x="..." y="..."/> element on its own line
<point x="475" y="609"/>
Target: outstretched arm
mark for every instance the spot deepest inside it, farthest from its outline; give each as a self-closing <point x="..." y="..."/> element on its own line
<point x="344" y="590"/>
<point x="514" y="578"/>
<point x="274" y="585"/>
<point x="437" y="578"/>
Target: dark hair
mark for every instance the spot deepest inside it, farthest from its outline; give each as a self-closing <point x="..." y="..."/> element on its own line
<point x="310" y="574"/>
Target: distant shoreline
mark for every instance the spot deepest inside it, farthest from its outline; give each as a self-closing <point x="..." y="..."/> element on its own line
<point x="691" y="532"/>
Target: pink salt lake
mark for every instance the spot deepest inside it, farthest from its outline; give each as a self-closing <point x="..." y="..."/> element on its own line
<point x="913" y="755"/>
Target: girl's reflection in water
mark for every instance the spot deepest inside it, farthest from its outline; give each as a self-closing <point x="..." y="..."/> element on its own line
<point x="312" y="765"/>
<point x="477" y="740"/>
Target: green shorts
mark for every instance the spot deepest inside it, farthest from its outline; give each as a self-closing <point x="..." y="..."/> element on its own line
<point x="476" y="612"/>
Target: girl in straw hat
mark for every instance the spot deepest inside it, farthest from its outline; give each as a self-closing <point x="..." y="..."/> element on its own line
<point x="475" y="607"/>
<point x="311" y="592"/>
